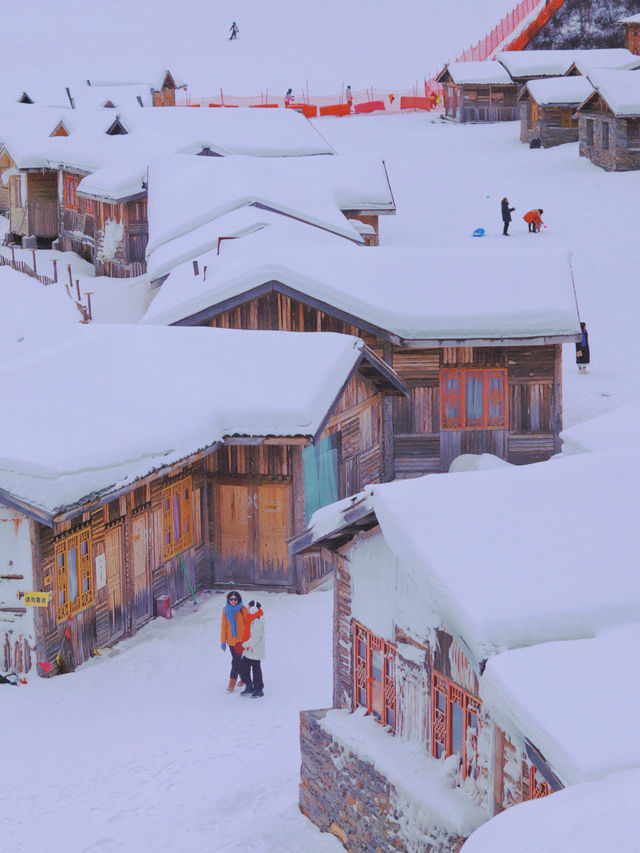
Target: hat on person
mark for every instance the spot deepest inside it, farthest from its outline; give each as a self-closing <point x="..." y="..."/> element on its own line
<point x="254" y="606"/>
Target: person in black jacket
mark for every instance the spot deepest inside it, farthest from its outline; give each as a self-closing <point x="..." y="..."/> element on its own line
<point x="506" y="216"/>
<point x="583" y="356"/>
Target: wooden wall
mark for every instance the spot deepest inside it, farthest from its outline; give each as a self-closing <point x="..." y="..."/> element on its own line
<point x="419" y="444"/>
<point x="128" y="535"/>
<point x="42" y="203"/>
<point x="256" y="495"/>
<point x="618" y="155"/>
<point x="551" y="125"/>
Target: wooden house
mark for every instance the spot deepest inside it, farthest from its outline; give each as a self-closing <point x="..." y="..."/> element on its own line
<point x="447" y="656"/>
<point x="632" y="33"/>
<point x="479" y="382"/>
<point x="548" y="109"/>
<point x="478" y="92"/>
<point x="202" y="492"/>
<point x="609" y="121"/>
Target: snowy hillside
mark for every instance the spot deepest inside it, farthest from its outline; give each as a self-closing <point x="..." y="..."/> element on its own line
<point x="281" y="43"/>
<point x="586" y="23"/>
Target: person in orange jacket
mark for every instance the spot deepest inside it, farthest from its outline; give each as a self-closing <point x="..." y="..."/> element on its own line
<point x="534" y="219"/>
<point x="232" y="632"/>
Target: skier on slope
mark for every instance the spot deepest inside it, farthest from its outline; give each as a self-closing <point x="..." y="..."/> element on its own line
<point x="234" y="30"/>
<point x="288" y="98"/>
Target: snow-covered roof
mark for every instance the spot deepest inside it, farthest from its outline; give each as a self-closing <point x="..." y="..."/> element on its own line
<point x="544" y="691"/>
<point x="554" y="63"/>
<point x="264" y="227"/>
<point x="257" y="133"/>
<point x="588" y="818"/>
<point x="528" y="569"/>
<point x="620" y="90"/>
<point x="477" y="295"/>
<point x="631" y="19"/>
<point x="312" y="189"/>
<point x="133" y="96"/>
<point x="487" y="72"/>
<point x="622" y="60"/>
<point x="103" y="435"/>
<point x="559" y="90"/>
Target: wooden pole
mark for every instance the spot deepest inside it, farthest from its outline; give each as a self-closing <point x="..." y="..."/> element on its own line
<point x="88" y="295"/>
<point x="33" y="255"/>
<point x="78" y="288"/>
<point x="13" y="256"/>
<point x="70" y="276"/>
<point x="55" y="270"/>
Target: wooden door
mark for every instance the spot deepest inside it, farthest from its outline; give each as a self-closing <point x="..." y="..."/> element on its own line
<point x="235" y="547"/>
<point x="254" y="522"/>
<point x="115" y="586"/>
<point x="274" y="527"/>
<point x="142" y="587"/>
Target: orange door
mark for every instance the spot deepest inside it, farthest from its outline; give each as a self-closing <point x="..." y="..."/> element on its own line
<point x="113" y="552"/>
<point x="235" y="511"/>
<point x="274" y="527"/>
<point x="141" y="574"/>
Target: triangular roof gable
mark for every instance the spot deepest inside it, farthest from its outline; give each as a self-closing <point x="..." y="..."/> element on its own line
<point x="168" y="82"/>
<point x="117" y="128"/>
<point x="60" y="130"/>
<point x="444" y="76"/>
<point x="594" y="100"/>
<point x="215" y="309"/>
<point x="25" y="99"/>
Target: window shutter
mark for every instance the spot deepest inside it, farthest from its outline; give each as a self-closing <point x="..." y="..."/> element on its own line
<point x="167" y="516"/>
<point x="451" y="393"/>
<point x="496" y="398"/>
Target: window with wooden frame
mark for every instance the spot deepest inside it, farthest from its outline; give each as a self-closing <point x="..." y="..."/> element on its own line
<point x="374" y="675"/>
<point x="538" y="785"/>
<point x="568" y="119"/>
<point x="455" y="721"/>
<point x="177" y="518"/>
<point x="605" y="135"/>
<point x="74" y="576"/>
<point x="473" y="399"/>
<point x="88" y="206"/>
<point x="70" y="185"/>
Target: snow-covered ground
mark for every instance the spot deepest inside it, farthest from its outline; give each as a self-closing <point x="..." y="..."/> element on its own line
<point x="142" y="748"/>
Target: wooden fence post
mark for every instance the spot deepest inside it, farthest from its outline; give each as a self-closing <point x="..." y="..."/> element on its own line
<point x="55" y="270"/>
<point x="33" y="255"/>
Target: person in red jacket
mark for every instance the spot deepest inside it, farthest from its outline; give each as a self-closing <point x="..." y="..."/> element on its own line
<point x="534" y="219"/>
<point x="234" y="618"/>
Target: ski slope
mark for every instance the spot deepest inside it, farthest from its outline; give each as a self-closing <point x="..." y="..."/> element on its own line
<point x="281" y="43"/>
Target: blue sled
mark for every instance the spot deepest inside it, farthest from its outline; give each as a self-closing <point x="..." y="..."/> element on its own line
<point x="479" y="232"/>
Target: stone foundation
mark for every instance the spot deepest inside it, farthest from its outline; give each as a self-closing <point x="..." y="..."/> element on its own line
<point x="345" y="795"/>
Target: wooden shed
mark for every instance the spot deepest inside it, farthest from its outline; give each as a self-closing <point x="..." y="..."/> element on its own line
<point x="609" y="121"/>
<point x="473" y="387"/>
<point x="548" y="109"/>
<point x="443" y="635"/>
<point x="478" y="92"/>
<point x="119" y="520"/>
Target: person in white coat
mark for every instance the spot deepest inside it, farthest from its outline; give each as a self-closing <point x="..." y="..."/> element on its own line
<point x="254" y="652"/>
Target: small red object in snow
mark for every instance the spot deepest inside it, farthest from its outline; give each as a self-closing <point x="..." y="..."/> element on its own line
<point x="163" y="606"/>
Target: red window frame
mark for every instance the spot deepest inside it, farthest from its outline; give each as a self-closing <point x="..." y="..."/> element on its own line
<point x="538" y="786"/>
<point x="444" y="696"/>
<point x="372" y="655"/>
<point x="88" y="206"/>
<point x="455" y="408"/>
<point x="70" y="183"/>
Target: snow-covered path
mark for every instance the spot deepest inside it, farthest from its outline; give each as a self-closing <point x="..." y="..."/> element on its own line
<point x="142" y="749"/>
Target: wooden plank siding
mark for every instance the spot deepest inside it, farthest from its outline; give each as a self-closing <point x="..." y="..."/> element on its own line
<point x="127" y="534"/>
<point x="418" y="445"/>
<point x="257" y="495"/>
<point x="82" y="230"/>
